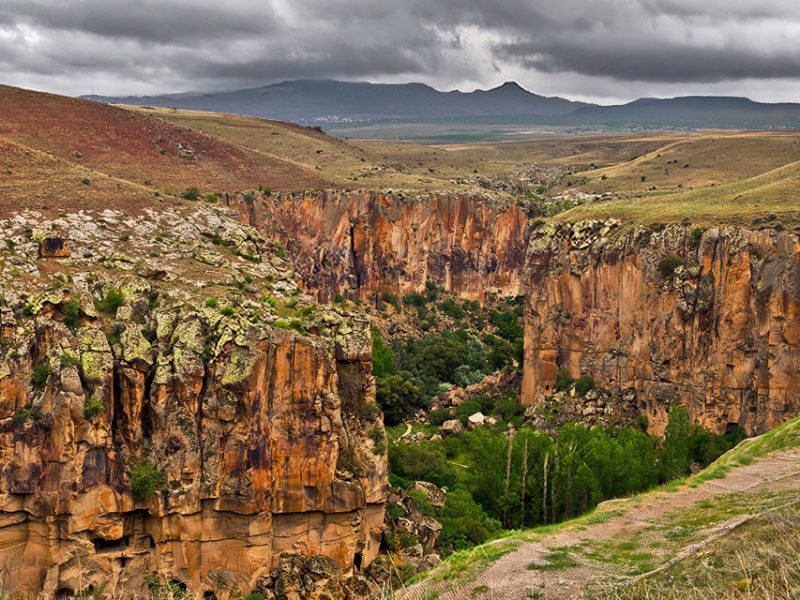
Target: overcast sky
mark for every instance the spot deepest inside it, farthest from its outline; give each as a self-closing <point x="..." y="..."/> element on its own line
<point x="597" y="50"/>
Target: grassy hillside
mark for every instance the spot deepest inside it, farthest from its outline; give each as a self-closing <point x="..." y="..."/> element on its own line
<point x="709" y="179"/>
<point x="140" y="148"/>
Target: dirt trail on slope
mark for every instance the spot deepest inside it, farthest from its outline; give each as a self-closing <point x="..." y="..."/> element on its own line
<point x="636" y="523"/>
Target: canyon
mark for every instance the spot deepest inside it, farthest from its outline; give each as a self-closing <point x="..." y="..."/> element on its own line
<point x="720" y="334"/>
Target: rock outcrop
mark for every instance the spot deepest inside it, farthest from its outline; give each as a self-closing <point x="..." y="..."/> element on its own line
<point x="707" y="318"/>
<point x="162" y="420"/>
<point x="369" y="243"/>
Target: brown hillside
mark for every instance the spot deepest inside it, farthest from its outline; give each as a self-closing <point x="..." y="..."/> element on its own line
<point x="139" y="148"/>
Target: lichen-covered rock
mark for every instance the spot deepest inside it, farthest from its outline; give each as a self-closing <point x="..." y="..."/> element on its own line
<point x="168" y="428"/>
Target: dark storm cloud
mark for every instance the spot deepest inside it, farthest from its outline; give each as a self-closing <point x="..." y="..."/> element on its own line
<point x="563" y="46"/>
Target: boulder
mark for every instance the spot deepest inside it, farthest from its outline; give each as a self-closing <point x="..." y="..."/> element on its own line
<point x="451" y="427"/>
<point x="476" y="420"/>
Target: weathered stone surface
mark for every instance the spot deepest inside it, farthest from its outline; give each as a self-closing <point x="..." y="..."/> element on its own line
<point x="260" y="432"/>
<point x="720" y="335"/>
<point x="370" y="242"/>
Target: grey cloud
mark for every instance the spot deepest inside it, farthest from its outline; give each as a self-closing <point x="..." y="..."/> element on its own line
<point x="127" y="46"/>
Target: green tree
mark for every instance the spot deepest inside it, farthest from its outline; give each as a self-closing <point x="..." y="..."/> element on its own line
<point x="676" y="453"/>
<point x="397" y="397"/>
<point x="383" y="363"/>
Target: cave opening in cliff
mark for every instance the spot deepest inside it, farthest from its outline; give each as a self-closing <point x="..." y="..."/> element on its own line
<point x="357" y="560"/>
<point x="104" y="545"/>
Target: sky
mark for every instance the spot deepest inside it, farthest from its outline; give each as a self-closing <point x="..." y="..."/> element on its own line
<point x="603" y="51"/>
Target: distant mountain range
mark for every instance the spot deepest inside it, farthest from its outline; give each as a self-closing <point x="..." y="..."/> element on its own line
<point x="338" y="103"/>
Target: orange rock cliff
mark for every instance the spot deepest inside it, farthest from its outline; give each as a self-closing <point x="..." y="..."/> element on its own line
<point x="151" y="427"/>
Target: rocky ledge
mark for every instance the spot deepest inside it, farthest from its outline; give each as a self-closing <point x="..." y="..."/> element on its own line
<point x="174" y="408"/>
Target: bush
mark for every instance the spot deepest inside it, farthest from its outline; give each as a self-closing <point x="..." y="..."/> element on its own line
<point x="24" y="413"/>
<point x="212" y="303"/>
<point x="676" y="453"/>
<point x="697" y="235"/>
<point x="228" y="311"/>
<point x="668" y="264"/>
<point x="397" y="397"/>
<point x="70" y="360"/>
<point x="145" y="479"/>
<point x="584" y="384"/>
<point x="439" y="415"/>
<point x="392" y="299"/>
<point x="378" y="437"/>
<point x="563" y="380"/>
<point x="467" y="409"/>
<point x="191" y="193"/>
<point x="111" y="302"/>
<point x="420" y="498"/>
<point x="464" y="523"/>
<point x="452" y="310"/>
<point x="383" y="363"/>
<point x="414" y="299"/>
<point x="40" y="373"/>
<point x="72" y="313"/>
<point x="93" y="407"/>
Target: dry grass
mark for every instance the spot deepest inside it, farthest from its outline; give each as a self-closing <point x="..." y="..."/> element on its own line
<point x="758" y="561"/>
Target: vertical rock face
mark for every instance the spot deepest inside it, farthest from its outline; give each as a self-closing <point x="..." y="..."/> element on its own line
<point x="709" y="319"/>
<point x="248" y="443"/>
<point x="370" y="242"/>
<point x="162" y="430"/>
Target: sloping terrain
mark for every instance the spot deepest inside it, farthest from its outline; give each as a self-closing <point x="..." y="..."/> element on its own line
<point x="338" y="162"/>
<point x="140" y="148"/>
<point x="625" y="542"/>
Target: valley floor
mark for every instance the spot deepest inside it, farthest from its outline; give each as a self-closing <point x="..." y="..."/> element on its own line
<point x="624" y="543"/>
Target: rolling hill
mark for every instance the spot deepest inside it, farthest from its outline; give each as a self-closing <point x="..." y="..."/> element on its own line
<point x="139" y="148"/>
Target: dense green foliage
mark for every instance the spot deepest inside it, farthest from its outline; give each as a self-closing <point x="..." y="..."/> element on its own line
<point x="545" y="479"/>
<point x="410" y="373"/>
<point x="145" y="478"/>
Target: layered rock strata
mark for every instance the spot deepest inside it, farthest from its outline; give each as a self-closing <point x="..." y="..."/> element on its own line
<point x="708" y="318"/>
<point x="371" y="242"/>
<point x="177" y="424"/>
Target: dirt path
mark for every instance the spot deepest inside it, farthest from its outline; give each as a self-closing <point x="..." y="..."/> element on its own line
<point x="528" y="571"/>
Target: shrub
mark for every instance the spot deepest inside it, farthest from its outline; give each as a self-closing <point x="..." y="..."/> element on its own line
<point x="378" y="437"/>
<point x="212" y="303"/>
<point x="397" y="397"/>
<point x="93" y="407"/>
<point x="676" y="453"/>
<point x="24" y="413"/>
<point x="70" y="360"/>
<point x="72" y="312"/>
<point x="228" y="311"/>
<point x="383" y="363"/>
<point x="697" y="235"/>
<point x="191" y="193"/>
<point x="420" y="498"/>
<point x="111" y="302"/>
<point x="451" y="309"/>
<point x="40" y="373"/>
<point x="391" y="299"/>
<point x="371" y="411"/>
<point x="145" y="478"/>
<point x="280" y="251"/>
<point x="439" y="415"/>
<point x="414" y="299"/>
<point x="668" y="264"/>
<point x="563" y="380"/>
<point x="583" y="384"/>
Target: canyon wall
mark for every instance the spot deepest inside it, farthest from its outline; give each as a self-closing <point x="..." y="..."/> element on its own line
<point x="164" y="423"/>
<point x="709" y="318"/>
<point x="371" y="242"/>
